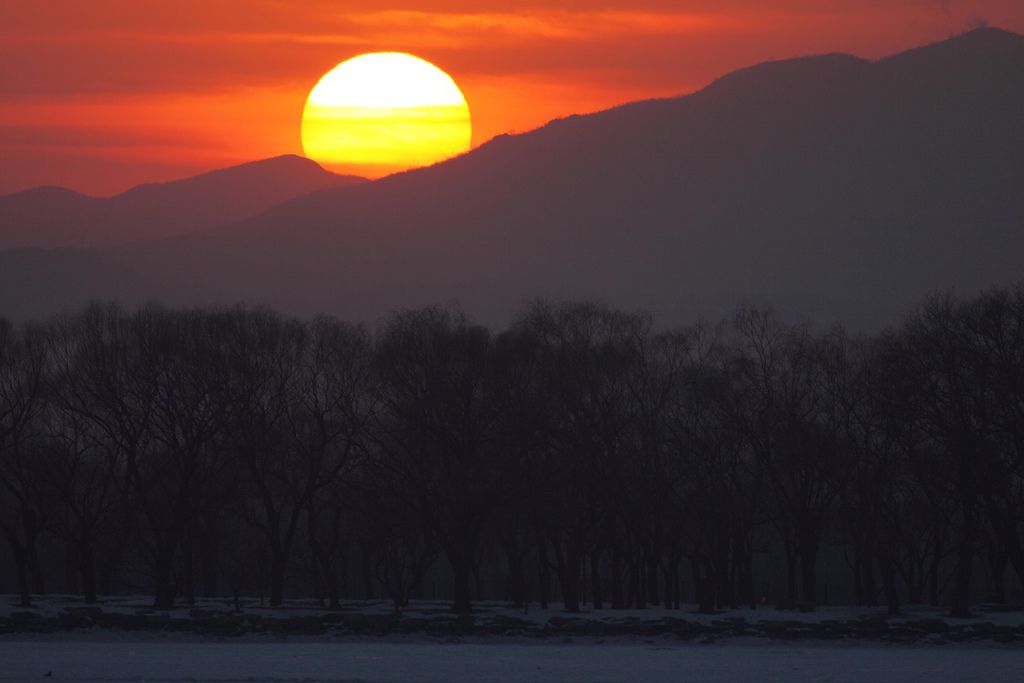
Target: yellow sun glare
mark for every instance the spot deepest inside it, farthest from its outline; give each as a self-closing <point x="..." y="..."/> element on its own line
<point x="384" y="112"/>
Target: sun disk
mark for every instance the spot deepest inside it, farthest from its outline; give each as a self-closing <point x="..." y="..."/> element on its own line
<point x="384" y="112"/>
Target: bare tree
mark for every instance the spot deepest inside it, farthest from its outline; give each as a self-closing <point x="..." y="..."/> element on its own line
<point x="714" y="480"/>
<point x="939" y="352"/>
<point x="795" y="439"/>
<point x="264" y="364"/>
<point x="580" y="438"/>
<point x="587" y="353"/>
<point x="996" y="322"/>
<point x="436" y="431"/>
<point x="332" y="409"/>
<point x="23" y="507"/>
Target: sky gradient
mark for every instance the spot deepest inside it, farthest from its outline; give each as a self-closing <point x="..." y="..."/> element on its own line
<point x="101" y="95"/>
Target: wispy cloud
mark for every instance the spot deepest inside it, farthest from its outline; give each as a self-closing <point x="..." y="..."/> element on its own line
<point x="417" y="28"/>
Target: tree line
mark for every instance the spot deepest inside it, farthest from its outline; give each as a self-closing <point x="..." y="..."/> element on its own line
<point x="586" y="454"/>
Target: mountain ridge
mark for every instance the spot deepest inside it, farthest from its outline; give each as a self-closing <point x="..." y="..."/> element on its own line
<point x="829" y="186"/>
<point x="51" y="216"/>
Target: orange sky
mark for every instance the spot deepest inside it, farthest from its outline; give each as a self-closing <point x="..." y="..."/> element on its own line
<point x="100" y="95"/>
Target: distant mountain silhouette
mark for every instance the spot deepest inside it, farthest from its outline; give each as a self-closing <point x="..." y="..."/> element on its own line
<point x="57" y="217"/>
<point x="832" y="187"/>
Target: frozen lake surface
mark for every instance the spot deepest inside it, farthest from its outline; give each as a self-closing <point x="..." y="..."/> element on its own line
<point x="171" y="661"/>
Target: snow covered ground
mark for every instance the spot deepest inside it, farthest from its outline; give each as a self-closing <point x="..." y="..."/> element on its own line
<point x="53" y="605"/>
<point x="551" y="651"/>
<point x="173" y="661"/>
<point x="212" y="619"/>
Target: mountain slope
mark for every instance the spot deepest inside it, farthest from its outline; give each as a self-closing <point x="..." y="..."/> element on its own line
<point x="831" y="187"/>
<point x="56" y="217"/>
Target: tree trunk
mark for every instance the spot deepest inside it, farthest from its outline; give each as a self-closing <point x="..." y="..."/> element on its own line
<point x="677" y="584"/>
<point x="569" y="578"/>
<point x="960" y="605"/>
<point x="652" y="580"/>
<point x="24" y="586"/>
<point x="416" y="586"/>
<point x="705" y="584"/>
<point x="165" y="591"/>
<point x="1015" y="553"/>
<point x="723" y="578"/>
<point x="618" y="598"/>
<point x="858" y="573"/>
<point x="892" y="599"/>
<point x="1008" y="540"/>
<point x="703" y="587"/>
<point x="36" y="569"/>
<point x="868" y="569"/>
<point x="364" y="560"/>
<point x="747" y="576"/>
<point x="933" y="582"/>
<point x="636" y="593"/>
<point x="72" y="569"/>
<point x="515" y="583"/>
<point x="208" y="565"/>
<point x="809" y="566"/>
<point x="87" y="565"/>
<point x="743" y="592"/>
<point x="330" y="578"/>
<point x="188" y="582"/>
<point x="109" y="562"/>
<point x="326" y="571"/>
<point x="344" y="590"/>
<point x="998" y="562"/>
<point x="462" y="602"/>
<point x="543" y="577"/>
<point x="277" y="570"/>
<point x="791" y="589"/>
<point x="670" y="585"/>
<point x="595" y="579"/>
<point x="865" y="588"/>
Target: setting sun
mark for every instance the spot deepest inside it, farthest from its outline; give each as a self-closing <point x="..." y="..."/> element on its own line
<point x="384" y="112"/>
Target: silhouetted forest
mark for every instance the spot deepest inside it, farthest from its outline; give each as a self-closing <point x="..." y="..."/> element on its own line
<point x="583" y="455"/>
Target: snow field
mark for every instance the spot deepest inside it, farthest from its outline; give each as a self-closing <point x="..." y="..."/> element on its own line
<point x="107" y="661"/>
